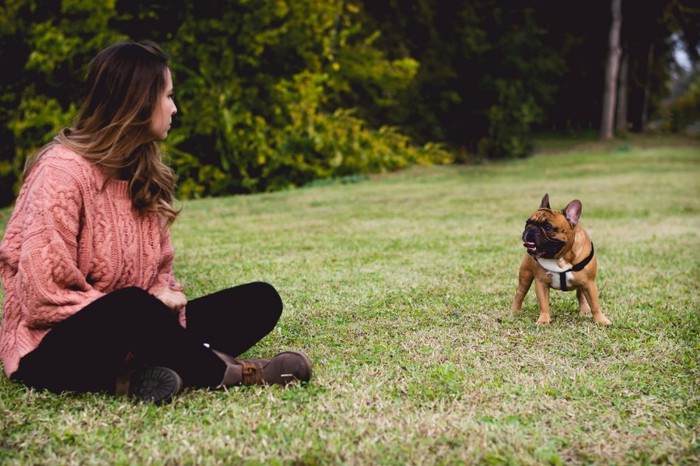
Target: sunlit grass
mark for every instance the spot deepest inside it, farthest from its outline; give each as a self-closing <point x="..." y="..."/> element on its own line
<point x="399" y="288"/>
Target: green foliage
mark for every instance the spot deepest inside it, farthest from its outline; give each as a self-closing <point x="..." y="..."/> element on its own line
<point x="36" y="121"/>
<point x="262" y="88"/>
<point x="486" y="72"/>
<point x="684" y="110"/>
<point x="521" y="86"/>
<point x="45" y="48"/>
<point x="509" y="123"/>
<point x="315" y="144"/>
<point x="263" y="94"/>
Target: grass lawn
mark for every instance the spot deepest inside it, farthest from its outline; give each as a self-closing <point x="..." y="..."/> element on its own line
<point x="399" y="288"/>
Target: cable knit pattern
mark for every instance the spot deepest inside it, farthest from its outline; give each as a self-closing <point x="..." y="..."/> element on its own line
<point x="72" y="238"/>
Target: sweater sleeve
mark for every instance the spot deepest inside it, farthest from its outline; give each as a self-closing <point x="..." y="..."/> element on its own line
<point x="166" y="276"/>
<point x="50" y="285"/>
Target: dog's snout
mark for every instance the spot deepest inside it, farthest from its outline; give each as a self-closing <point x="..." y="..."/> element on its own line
<point x="530" y="234"/>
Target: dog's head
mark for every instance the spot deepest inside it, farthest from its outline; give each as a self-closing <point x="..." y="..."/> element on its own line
<point x="548" y="233"/>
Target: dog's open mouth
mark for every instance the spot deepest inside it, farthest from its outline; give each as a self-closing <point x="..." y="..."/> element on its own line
<point x="531" y="247"/>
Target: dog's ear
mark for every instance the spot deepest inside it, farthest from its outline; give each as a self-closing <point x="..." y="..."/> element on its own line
<point x="544" y="204"/>
<point x="572" y="212"/>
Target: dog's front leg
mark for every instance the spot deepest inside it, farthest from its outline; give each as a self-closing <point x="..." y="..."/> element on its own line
<point x="583" y="305"/>
<point x="525" y="278"/>
<point x="542" y="291"/>
<point x="590" y="292"/>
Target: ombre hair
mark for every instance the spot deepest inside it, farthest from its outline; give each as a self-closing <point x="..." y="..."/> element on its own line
<point x="113" y="127"/>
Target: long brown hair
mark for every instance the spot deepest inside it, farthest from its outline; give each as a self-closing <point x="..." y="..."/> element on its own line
<point x="113" y="127"/>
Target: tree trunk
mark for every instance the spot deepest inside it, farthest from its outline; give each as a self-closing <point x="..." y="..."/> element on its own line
<point x="622" y="124"/>
<point x="607" y="120"/>
<point x="647" y="88"/>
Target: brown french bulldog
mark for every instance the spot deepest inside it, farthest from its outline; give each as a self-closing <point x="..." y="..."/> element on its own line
<point x="560" y="255"/>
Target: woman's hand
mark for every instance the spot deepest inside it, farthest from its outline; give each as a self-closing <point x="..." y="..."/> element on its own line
<point x="174" y="299"/>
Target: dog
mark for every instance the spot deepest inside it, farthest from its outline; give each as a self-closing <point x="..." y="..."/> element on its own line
<point x="560" y="255"/>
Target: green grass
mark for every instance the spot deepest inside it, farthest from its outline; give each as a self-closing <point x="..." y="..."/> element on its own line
<point x="399" y="288"/>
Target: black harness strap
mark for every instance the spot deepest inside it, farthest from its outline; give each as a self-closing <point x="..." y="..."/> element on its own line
<point x="576" y="268"/>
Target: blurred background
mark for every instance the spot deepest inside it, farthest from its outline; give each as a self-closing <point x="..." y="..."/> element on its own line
<point x="274" y="94"/>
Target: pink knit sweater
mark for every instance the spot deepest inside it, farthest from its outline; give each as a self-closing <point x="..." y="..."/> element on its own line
<point x="72" y="238"/>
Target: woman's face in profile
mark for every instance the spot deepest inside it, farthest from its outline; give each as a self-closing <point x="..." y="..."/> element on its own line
<point x="165" y="109"/>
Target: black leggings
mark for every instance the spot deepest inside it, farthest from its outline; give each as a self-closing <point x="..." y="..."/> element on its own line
<point x="130" y="328"/>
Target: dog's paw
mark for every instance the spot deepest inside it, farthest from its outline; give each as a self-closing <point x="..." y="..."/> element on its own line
<point x="601" y="319"/>
<point x="543" y="320"/>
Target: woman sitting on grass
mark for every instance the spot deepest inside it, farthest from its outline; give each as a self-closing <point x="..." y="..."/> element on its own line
<point x="91" y="303"/>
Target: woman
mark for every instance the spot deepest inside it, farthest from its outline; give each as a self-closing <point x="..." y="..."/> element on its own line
<point x="91" y="303"/>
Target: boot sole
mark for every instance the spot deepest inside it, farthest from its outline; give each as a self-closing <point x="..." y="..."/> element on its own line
<point x="155" y="385"/>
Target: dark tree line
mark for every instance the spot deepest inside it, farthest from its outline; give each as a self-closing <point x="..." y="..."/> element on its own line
<point x="540" y="61"/>
<point x="276" y="93"/>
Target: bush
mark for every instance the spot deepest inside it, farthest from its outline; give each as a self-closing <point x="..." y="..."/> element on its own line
<point x="303" y="143"/>
<point x="261" y="87"/>
<point x="509" y="123"/>
<point x="685" y="109"/>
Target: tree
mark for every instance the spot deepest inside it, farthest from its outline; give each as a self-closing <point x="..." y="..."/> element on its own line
<point x="267" y="95"/>
<point x="611" y="72"/>
<point x="487" y="70"/>
<point x="44" y="48"/>
<point x="261" y="87"/>
<point x="621" y="109"/>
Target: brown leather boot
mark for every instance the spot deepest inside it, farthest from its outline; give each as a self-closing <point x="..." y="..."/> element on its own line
<point x="283" y="369"/>
<point x="152" y="384"/>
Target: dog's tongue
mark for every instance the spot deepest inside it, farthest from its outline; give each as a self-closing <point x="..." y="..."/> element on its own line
<point x="530" y="246"/>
